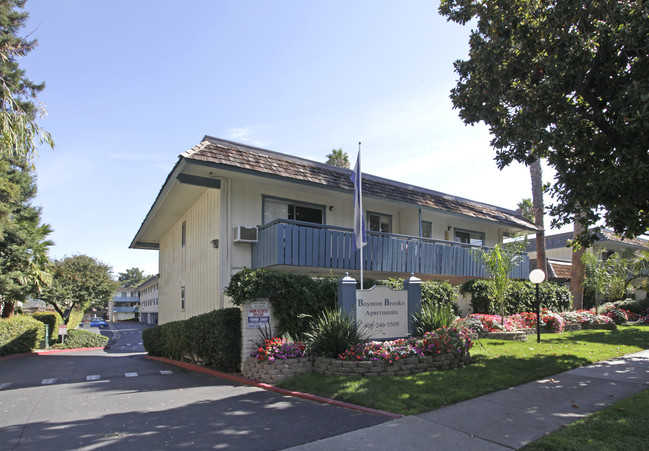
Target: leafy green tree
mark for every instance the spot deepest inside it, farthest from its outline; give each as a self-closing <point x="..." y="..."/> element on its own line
<point x="132" y="277"/>
<point x="607" y="278"/>
<point x="567" y="81"/>
<point x="24" y="263"/>
<point x="338" y="158"/>
<point x="20" y="135"/>
<point x="499" y="263"/>
<point x="79" y="282"/>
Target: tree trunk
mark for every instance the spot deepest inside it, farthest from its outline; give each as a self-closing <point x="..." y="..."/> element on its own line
<point x="8" y="309"/>
<point x="577" y="271"/>
<point x="537" y="201"/>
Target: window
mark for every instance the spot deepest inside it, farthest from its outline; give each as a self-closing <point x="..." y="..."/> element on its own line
<point x="426" y="229"/>
<point x="183" y="234"/>
<point x="295" y="211"/>
<point x="380" y="223"/>
<point x="469" y="237"/>
<point x="182" y="298"/>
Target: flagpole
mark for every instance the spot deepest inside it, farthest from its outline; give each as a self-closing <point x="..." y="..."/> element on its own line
<point x="360" y="191"/>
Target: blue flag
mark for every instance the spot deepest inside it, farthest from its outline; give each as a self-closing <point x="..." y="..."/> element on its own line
<point x="360" y="239"/>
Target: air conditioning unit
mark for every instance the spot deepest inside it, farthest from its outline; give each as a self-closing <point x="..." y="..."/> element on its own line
<point x="244" y="234"/>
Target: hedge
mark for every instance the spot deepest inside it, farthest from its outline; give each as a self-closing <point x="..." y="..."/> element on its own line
<point x="433" y="292"/>
<point x="20" y="334"/>
<point x="521" y="297"/>
<point x="52" y="320"/>
<point x="213" y="339"/>
<point x="77" y="338"/>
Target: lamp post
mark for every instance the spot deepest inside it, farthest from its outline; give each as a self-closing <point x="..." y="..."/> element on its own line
<point x="536" y="277"/>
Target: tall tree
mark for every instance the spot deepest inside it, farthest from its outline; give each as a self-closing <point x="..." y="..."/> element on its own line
<point x="79" y="282"/>
<point x="132" y="277"/>
<point x="20" y="135"/>
<point x="338" y="158"/>
<point x="577" y="269"/>
<point x="567" y="81"/>
<point x="24" y="264"/>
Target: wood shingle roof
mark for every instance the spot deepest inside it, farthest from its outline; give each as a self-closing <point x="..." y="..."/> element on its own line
<point x="240" y="157"/>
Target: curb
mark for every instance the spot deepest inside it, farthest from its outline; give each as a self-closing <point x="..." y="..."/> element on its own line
<point x="50" y="351"/>
<point x="272" y="388"/>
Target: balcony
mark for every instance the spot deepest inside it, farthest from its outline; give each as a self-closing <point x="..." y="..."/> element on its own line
<point x="294" y="243"/>
<point x="125" y="309"/>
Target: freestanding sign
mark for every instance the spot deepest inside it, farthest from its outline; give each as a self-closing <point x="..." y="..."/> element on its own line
<point x="63" y="329"/>
<point x="385" y="313"/>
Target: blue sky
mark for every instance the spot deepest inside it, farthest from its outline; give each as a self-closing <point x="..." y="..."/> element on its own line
<point x="132" y="84"/>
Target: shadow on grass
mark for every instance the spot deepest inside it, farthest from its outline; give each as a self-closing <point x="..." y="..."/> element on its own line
<point x="624" y="335"/>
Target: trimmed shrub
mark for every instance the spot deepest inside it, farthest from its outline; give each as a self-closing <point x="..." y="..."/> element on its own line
<point x="213" y="339"/>
<point x="20" y="334"/>
<point x="521" y="296"/>
<point x="637" y="307"/>
<point x="52" y="320"/>
<point x="433" y="292"/>
<point x="78" y="338"/>
<point x="152" y="341"/>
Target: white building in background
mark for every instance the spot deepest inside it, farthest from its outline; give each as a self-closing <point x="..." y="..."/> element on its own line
<point x="124" y="305"/>
<point x="148" y="294"/>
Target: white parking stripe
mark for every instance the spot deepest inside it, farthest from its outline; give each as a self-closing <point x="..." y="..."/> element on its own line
<point x="5" y="385"/>
<point x="48" y="381"/>
<point x="130" y="374"/>
<point x="166" y="372"/>
<point x="93" y="377"/>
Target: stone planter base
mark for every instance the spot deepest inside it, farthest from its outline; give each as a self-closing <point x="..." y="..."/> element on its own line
<point x="513" y="336"/>
<point x="402" y="367"/>
<point x="277" y="371"/>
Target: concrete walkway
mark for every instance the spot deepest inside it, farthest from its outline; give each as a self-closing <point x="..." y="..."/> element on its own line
<point x="508" y="419"/>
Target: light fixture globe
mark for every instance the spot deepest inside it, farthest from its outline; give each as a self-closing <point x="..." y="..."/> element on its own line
<point x="537" y="276"/>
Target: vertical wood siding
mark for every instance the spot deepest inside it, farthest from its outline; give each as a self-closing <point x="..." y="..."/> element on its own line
<point x="194" y="266"/>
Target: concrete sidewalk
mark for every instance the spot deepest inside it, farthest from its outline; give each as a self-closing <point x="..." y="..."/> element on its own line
<point x="508" y="419"/>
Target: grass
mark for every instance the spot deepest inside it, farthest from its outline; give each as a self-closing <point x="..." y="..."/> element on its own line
<point x="622" y="426"/>
<point x="497" y="365"/>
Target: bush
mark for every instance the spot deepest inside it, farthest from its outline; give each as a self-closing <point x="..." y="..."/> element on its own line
<point x="213" y="339"/>
<point x="20" y="334"/>
<point x="433" y="292"/>
<point x="152" y="341"/>
<point x="52" y="320"/>
<point x="637" y="307"/>
<point x="294" y="297"/>
<point x="521" y="297"/>
<point x="331" y="333"/>
<point x="78" y="338"/>
<point x="431" y="317"/>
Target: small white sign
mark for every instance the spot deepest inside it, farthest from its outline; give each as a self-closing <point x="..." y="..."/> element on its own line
<point x="258" y="315"/>
<point x="63" y="329"/>
<point x="383" y="312"/>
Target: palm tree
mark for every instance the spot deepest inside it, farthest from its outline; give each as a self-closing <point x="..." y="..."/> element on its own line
<point x="338" y="158"/>
<point x="537" y="203"/>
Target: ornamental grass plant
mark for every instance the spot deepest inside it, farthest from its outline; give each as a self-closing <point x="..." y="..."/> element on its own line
<point x="331" y="333"/>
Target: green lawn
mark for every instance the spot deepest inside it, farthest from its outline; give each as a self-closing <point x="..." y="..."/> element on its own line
<point x="497" y="365"/>
<point x="622" y="426"/>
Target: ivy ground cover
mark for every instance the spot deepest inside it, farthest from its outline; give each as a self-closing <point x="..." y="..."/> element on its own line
<point x="497" y="365"/>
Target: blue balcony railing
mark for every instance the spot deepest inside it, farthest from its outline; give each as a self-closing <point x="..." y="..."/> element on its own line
<point x="295" y="243"/>
<point x="125" y="309"/>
